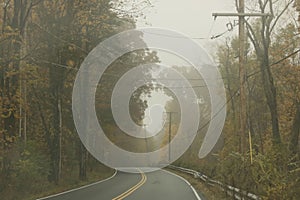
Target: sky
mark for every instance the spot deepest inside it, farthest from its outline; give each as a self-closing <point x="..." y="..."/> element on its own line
<point x="192" y="18"/>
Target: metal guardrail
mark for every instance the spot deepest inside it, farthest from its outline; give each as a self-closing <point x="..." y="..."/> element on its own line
<point x="230" y="190"/>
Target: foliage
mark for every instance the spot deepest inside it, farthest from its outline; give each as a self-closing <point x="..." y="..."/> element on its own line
<point x="270" y="168"/>
<point x="274" y="170"/>
<point x="42" y="45"/>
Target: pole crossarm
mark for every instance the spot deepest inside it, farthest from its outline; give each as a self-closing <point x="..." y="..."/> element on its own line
<point x="241" y="15"/>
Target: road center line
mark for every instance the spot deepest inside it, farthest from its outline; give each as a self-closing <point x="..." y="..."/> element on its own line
<point x="132" y="189"/>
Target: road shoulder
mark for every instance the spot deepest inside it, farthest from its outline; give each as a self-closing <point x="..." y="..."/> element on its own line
<point x="204" y="191"/>
<point x="78" y="188"/>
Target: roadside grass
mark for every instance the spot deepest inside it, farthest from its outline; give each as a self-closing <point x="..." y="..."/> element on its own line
<point x="68" y="182"/>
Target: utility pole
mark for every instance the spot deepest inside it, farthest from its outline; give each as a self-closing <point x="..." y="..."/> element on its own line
<point x="145" y="133"/>
<point x="146" y="141"/>
<point x="242" y="75"/>
<point x="242" y="72"/>
<point x="170" y="132"/>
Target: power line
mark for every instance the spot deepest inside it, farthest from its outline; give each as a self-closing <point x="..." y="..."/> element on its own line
<point x="200" y="38"/>
<point x="186" y="87"/>
<point x="58" y="38"/>
<point x="53" y="64"/>
<point x="237" y="91"/>
<point x="194" y="79"/>
<point x="211" y="28"/>
<point x="175" y="36"/>
<point x="119" y="75"/>
<point x="222" y="107"/>
<point x="275" y="63"/>
<point x="215" y="115"/>
<point x="194" y="38"/>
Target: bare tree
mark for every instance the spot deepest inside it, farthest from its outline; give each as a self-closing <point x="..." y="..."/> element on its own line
<point x="260" y="36"/>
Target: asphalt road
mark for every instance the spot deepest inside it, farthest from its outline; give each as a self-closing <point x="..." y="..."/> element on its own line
<point x="141" y="186"/>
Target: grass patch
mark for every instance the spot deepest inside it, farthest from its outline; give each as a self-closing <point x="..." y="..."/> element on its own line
<point x="69" y="181"/>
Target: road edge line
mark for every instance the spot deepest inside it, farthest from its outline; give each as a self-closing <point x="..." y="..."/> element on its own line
<point x="82" y="187"/>
<point x="188" y="183"/>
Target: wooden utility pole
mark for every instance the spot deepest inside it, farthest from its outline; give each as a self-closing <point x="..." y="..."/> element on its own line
<point x="242" y="72"/>
<point x="242" y="75"/>
<point x="146" y="141"/>
<point x="170" y="131"/>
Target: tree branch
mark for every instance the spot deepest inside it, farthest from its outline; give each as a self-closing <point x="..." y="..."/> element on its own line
<point x="280" y="14"/>
<point x="252" y="36"/>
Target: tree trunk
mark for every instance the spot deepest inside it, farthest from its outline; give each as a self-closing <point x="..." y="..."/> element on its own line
<point x="261" y="39"/>
<point x="56" y="141"/>
<point x="82" y="162"/>
<point x="270" y="93"/>
<point x="294" y="142"/>
<point x="10" y="75"/>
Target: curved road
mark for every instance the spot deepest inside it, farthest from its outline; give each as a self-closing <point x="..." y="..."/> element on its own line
<point x="156" y="185"/>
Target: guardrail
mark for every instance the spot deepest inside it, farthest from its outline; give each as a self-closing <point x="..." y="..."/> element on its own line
<point x="230" y="190"/>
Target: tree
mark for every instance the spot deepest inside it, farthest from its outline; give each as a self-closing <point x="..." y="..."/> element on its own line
<point x="260" y="37"/>
<point x="13" y="34"/>
<point x="287" y="74"/>
<point x="297" y="5"/>
<point x="70" y="29"/>
<point x="273" y="170"/>
<point x="43" y="44"/>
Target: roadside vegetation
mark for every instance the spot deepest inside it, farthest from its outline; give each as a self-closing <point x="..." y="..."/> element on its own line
<point x="42" y="45"/>
<point x="270" y="164"/>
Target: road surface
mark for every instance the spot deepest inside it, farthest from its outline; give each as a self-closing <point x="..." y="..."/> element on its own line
<point x="156" y="185"/>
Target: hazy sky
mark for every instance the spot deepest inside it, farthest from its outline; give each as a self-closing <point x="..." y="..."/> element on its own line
<point x="191" y="17"/>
